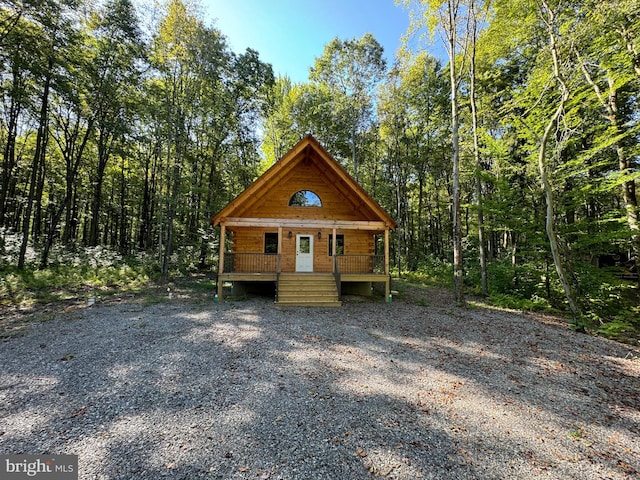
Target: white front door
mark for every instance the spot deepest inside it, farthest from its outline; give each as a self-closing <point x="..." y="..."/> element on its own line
<point x="304" y="253"/>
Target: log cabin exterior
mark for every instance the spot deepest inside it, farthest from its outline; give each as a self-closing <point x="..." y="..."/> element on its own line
<point x="308" y="226"/>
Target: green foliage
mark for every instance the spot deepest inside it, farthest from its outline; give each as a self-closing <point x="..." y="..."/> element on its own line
<point x="349" y="71"/>
<point x="505" y="300"/>
<point x="69" y="281"/>
<point x="619" y="329"/>
<point x="611" y="303"/>
<point x="433" y="272"/>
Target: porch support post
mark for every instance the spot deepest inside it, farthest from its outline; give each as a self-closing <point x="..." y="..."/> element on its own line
<point x="334" y="249"/>
<point x="279" y="240"/>
<point x="387" y="290"/>
<point x="223" y="233"/>
<point x="279" y="268"/>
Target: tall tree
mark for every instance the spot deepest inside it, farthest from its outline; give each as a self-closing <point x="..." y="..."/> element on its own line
<point x="474" y="16"/>
<point x="450" y="16"/>
<point x="352" y="69"/>
<point x="279" y="134"/>
<point x="21" y="39"/>
<point x="114" y="76"/>
<point x="413" y="111"/>
<point x="210" y="103"/>
<point x="56" y="29"/>
<point x="549" y="17"/>
<point x="173" y="57"/>
<point x="72" y="122"/>
<point x="537" y="89"/>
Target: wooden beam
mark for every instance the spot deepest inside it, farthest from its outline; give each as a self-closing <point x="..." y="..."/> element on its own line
<point x="279" y="240"/>
<point x="386" y="251"/>
<point x="223" y="231"/>
<point x="297" y="223"/>
<point x="364" y="277"/>
<point x="334" y="249"/>
<point x="249" y="277"/>
<point x="387" y="290"/>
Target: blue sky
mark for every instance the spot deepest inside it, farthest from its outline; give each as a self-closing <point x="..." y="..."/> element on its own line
<point x="290" y="34"/>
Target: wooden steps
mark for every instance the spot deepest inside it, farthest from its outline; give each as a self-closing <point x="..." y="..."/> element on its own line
<point x="308" y="290"/>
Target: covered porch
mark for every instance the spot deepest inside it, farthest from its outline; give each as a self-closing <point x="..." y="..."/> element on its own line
<point x="351" y="270"/>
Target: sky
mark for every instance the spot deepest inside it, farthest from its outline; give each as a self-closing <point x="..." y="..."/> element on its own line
<point x="290" y="34"/>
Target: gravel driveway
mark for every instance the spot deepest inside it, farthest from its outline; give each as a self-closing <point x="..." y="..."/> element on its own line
<point x="248" y="390"/>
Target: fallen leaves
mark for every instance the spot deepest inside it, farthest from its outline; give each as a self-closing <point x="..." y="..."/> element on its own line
<point x="79" y="412"/>
<point x="261" y="474"/>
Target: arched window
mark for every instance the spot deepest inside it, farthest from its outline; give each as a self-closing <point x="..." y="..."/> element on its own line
<point x="305" y="198"/>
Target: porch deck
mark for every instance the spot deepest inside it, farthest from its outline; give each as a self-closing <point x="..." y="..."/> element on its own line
<point x="261" y="267"/>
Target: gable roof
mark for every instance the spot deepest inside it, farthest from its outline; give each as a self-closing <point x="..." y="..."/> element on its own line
<point x="305" y="149"/>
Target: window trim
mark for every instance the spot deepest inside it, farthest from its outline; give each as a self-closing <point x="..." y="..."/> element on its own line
<point x="304" y="193"/>
<point x="270" y="243"/>
<point x="339" y="237"/>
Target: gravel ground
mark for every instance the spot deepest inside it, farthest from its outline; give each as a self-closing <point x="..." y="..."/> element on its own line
<point x="190" y="390"/>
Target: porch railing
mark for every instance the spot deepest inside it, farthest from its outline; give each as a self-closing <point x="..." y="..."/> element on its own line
<point x="270" y="263"/>
<point x="251" y="262"/>
<point x="360" y="263"/>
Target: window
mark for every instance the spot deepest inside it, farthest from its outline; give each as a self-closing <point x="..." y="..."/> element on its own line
<point x="339" y="245"/>
<point x="270" y="243"/>
<point x="305" y="198"/>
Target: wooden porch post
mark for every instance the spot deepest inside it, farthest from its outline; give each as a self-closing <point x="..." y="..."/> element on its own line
<point x="334" y="247"/>
<point x="223" y="233"/>
<point x="387" y="291"/>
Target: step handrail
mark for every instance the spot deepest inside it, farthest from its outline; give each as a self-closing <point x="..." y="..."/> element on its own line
<point x="278" y="277"/>
<point x="336" y="275"/>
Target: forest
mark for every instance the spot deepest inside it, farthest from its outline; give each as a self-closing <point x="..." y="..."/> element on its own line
<point x="511" y="167"/>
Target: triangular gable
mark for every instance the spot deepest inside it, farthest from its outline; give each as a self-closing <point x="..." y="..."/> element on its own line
<point x="289" y="161"/>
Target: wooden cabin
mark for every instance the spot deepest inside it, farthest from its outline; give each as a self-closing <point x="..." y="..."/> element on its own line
<point x="307" y="226"/>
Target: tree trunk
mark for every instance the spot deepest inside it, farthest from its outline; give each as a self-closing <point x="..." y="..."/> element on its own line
<point x="514" y="259"/>
<point x="38" y="158"/>
<point x="73" y="159"/>
<point x="542" y="167"/>
<point x="9" y="154"/>
<point x="353" y="153"/>
<point x="124" y="224"/>
<point x="104" y="152"/>
<point x="209" y="200"/>
<point x="38" y="224"/>
<point x="455" y="214"/>
<point x="476" y="155"/>
<point x="69" y="220"/>
<point x="173" y="203"/>
<point x="144" y="234"/>
<point x="173" y="183"/>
